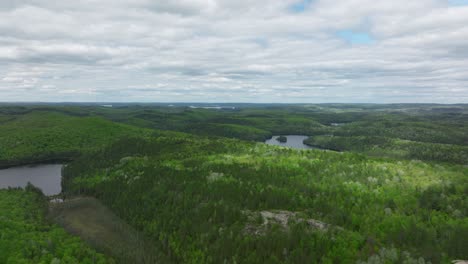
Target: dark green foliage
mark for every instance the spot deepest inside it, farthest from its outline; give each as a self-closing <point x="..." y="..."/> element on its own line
<point x="47" y="136"/>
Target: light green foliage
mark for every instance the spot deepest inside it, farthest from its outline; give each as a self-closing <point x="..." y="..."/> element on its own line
<point x="26" y="236"/>
<point x="193" y="195"/>
<point x="392" y="256"/>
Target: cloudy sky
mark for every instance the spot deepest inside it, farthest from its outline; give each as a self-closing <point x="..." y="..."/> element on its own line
<point x="234" y="51"/>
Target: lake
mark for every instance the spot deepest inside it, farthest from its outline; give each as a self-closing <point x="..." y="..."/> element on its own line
<point x="294" y="141"/>
<point x="47" y="177"/>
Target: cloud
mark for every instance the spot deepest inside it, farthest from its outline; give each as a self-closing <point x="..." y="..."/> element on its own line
<point x="222" y="50"/>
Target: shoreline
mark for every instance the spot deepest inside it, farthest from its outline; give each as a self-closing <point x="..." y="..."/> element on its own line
<point x="63" y="161"/>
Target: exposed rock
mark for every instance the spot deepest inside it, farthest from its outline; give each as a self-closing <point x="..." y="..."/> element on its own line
<point x="56" y="200"/>
<point x="124" y="160"/>
<point x="214" y="176"/>
<point x="260" y="221"/>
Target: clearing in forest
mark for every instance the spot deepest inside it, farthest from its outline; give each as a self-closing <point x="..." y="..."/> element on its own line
<point x="89" y="219"/>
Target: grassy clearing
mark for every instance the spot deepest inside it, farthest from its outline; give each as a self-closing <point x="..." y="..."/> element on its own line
<point x="89" y="219"/>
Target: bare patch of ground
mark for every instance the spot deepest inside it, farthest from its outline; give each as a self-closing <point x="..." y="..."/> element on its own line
<point x="89" y="219"/>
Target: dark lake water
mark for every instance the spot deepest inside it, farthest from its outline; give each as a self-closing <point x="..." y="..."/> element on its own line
<point x="46" y="177"/>
<point x="294" y="141"/>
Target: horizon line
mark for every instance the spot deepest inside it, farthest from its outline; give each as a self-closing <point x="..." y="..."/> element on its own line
<point x="189" y="102"/>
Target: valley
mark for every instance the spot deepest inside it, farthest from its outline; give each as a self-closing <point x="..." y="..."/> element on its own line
<point x="176" y="184"/>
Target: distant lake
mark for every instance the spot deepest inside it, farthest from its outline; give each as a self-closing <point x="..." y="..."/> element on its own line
<point x="294" y="141"/>
<point x="46" y="177"/>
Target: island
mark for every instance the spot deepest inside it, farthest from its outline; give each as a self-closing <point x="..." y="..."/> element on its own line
<point x="282" y="139"/>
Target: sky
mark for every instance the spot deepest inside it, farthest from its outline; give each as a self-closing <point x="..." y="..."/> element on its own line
<point x="283" y="51"/>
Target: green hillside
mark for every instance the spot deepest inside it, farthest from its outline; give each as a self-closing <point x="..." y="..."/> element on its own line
<point x="47" y="136"/>
<point x="198" y="186"/>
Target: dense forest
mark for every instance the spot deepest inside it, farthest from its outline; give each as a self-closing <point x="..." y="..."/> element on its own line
<point x="203" y="188"/>
<point x="42" y="136"/>
<point x="424" y="132"/>
<point x="210" y="201"/>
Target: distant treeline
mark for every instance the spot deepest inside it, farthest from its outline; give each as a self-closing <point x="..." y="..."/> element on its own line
<point x="406" y="131"/>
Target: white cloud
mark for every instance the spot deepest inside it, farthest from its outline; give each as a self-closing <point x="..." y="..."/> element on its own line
<point x="255" y="51"/>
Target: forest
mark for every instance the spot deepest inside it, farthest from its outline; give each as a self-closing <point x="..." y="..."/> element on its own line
<point x="389" y="184"/>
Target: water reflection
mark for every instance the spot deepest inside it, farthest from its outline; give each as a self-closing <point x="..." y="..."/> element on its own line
<point x="294" y="141"/>
<point x="46" y="177"/>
